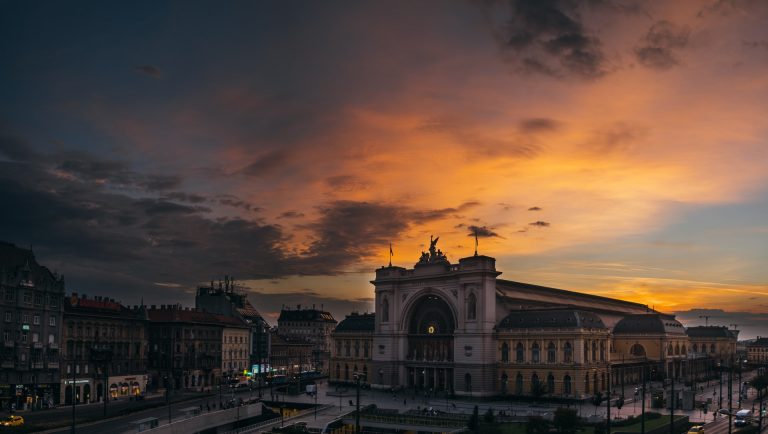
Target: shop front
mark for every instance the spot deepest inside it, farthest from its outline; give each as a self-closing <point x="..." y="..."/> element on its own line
<point x="127" y="386"/>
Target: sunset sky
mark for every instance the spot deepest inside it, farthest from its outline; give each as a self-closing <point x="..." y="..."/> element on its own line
<point x="618" y="148"/>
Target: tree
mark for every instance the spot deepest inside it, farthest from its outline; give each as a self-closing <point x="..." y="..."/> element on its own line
<point x="566" y="420"/>
<point x="600" y="428"/>
<point x="538" y="389"/>
<point x="474" y="420"/>
<point x="488" y="416"/>
<point x="536" y="425"/>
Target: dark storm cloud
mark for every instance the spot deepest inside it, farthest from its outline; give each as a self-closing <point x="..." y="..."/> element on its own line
<point x="349" y="232"/>
<point x="548" y="37"/>
<point x="84" y="230"/>
<point x="292" y="214"/>
<point x="534" y="208"/>
<point x="16" y="149"/>
<point x="89" y="168"/>
<point x="346" y="183"/>
<point x="756" y="44"/>
<point x="235" y="202"/>
<point x="536" y="125"/>
<point x="660" y="45"/>
<point x="481" y="232"/>
<point x="186" y="197"/>
<point x="150" y="70"/>
<point x="540" y="224"/>
<point x="267" y="163"/>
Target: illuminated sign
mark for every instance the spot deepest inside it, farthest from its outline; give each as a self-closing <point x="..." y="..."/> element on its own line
<point x="25" y="327"/>
<point x="431" y="330"/>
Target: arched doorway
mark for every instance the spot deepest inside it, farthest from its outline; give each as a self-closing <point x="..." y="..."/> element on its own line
<point x="68" y="395"/>
<point x="87" y="393"/>
<point x="99" y="392"/>
<point x="431" y="324"/>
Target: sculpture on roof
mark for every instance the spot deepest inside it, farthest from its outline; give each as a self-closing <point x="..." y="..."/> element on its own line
<point x="434" y="253"/>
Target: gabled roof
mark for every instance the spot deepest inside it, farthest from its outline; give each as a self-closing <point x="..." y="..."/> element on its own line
<point x="759" y="342"/>
<point x="356" y="322"/>
<point x="648" y="323"/>
<point x="551" y="318"/>
<point x="709" y="332"/>
<point x="305" y="315"/>
<point x="177" y="314"/>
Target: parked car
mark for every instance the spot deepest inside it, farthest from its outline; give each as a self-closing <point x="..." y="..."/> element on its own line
<point x="12" y="421"/>
<point x="696" y="429"/>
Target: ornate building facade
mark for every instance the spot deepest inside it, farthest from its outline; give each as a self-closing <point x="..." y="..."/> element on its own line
<point x="352" y="348"/>
<point x="31" y="309"/>
<point x="460" y="329"/>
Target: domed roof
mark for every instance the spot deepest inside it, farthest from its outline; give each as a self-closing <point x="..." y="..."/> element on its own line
<point x="551" y="318"/>
<point x="648" y="323"/>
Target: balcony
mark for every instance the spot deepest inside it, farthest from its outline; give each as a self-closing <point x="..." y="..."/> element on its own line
<point x="53" y="365"/>
<point x="8" y="344"/>
<point x="53" y="346"/>
<point x="37" y="345"/>
<point x="37" y="365"/>
<point x="8" y="364"/>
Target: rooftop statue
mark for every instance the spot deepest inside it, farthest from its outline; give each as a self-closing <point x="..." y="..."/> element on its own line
<point x="434" y="254"/>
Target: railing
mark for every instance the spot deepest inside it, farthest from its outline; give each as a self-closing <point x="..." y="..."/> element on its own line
<point x="8" y="364"/>
<point x="53" y="365"/>
<point x="37" y="345"/>
<point x="249" y="428"/>
<point x="53" y="346"/>
<point x="37" y="365"/>
<point x="8" y="344"/>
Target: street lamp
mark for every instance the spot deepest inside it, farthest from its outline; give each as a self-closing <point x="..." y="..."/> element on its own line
<point x="358" y="376"/>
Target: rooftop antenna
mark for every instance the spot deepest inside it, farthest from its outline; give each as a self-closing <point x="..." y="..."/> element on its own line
<point x="706" y="319"/>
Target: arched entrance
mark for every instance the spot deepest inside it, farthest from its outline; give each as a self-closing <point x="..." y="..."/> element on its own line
<point x="431" y="325"/>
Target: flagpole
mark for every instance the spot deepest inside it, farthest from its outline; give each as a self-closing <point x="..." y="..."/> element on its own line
<point x="475" y="242"/>
<point x="390" y="254"/>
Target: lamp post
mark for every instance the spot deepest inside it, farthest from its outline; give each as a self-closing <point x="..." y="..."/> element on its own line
<point x="730" y="397"/>
<point x="74" y="393"/>
<point x="358" y="376"/>
<point x="672" y="398"/>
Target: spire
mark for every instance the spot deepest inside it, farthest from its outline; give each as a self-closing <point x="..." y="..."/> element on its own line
<point x="390" y="254"/>
<point x="476" y="242"/>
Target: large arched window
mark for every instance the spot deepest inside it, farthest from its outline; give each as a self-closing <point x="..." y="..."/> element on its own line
<point x="504" y="381"/>
<point x="669" y="350"/>
<point x="550" y="383"/>
<point x="594" y="351"/>
<point x="586" y="351"/>
<point x="338" y="371"/>
<point x="468" y="383"/>
<point x="535" y="353"/>
<point x="712" y="348"/>
<point x="677" y="349"/>
<point x="551" y="353"/>
<point x="504" y="352"/>
<point x="519" y="353"/>
<point x="602" y="351"/>
<point x="637" y="350"/>
<point x="471" y="306"/>
<point x="567" y="353"/>
<point x="535" y="386"/>
<point x="385" y="310"/>
<point x="567" y="385"/>
<point x="346" y="372"/>
<point x="586" y="383"/>
<point x="683" y="350"/>
<point x="695" y="348"/>
<point x="519" y="384"/>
